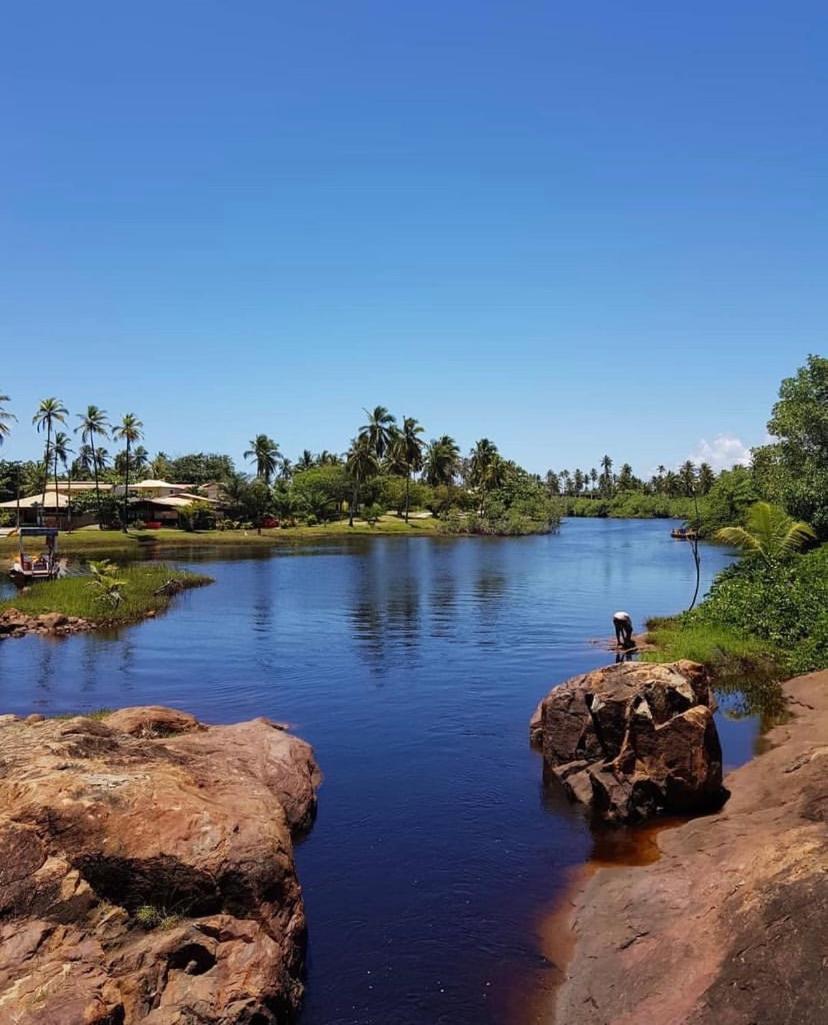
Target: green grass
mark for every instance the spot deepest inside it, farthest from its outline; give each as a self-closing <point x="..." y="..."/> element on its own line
<point x="115" y="542"/>
<point x="742" y="667"/>
<point x="77" y="596"/>
<point x="701" y="642"/>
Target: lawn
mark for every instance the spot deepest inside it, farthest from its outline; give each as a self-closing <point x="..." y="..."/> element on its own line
<point x="113" y="543"/>
<point x="78" y="596"/>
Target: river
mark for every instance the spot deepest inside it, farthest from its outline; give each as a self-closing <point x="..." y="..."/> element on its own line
<point x="413" y="667"/>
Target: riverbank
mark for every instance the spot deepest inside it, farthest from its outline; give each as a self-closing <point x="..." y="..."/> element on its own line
<point x="91" y="541"/>
<point x="75" y="604"/>
<point x="729" y="924"/>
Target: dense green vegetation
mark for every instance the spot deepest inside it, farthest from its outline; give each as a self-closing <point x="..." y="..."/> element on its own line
<point x="140" y="590"/>
<point x="388" y="466"/>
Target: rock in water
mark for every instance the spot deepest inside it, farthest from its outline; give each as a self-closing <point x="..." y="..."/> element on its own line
<point x="634" y="740"/>
<point x="146" y="870"/>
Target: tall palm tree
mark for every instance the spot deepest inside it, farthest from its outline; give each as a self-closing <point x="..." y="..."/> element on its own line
<point x="49" y="412"/>
<point x="265" y="452"/>
<point x="361" y="464"/>
<point x="60" y="454"/>
<point x="442" y="460"/>
<point x="94" y="424"/>
<point x="140" y="458"/>
<point x="482" y="455"/>
<point x="379" y="429"/>
<point x="687" y="476"/>
<point x="129" y="430"/>
<point x="606" y="477"/>
<point x="406" y="451"/>
<point x="85" y="461"/>
<point x="5" y="418"/>
<point x="769" y="534"/>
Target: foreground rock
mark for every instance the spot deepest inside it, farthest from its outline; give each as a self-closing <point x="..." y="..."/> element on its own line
<point x="730" y="927"/>
<point x="146" y="870"/>
<point x="634" y="740"/>
<point x="14" y="623"/>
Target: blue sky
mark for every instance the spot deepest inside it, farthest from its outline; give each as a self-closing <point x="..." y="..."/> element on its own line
<point x="573" y="228"/>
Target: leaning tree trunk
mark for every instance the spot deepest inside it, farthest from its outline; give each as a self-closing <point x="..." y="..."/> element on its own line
<point x="46" y="468"/>
<point x="57" y="504"/>
<point x="126" y="489"/>
<point x="407" y="493"/>
<point x="352" y="506"/>
<point x="97" y="485"/>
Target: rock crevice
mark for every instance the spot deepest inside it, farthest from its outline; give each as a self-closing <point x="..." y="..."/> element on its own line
<point x="633" y="740"/>
<point x="147" y="872"/>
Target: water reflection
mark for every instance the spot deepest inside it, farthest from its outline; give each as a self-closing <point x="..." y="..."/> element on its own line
<point x="413" y="667"/>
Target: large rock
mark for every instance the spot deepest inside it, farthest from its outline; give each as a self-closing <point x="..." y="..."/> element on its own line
<point x="634" y="740"/>
<point x="146" y="870"/>
<point x="730" y="925"/>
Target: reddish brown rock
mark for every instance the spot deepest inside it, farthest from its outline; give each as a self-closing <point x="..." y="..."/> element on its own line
<point x="146" y="870"/>
<point x="633" y="740"/>
<point x="730" y="925"/>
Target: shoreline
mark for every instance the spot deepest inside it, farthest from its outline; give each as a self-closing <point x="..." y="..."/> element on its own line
<point x="709" y="929"/>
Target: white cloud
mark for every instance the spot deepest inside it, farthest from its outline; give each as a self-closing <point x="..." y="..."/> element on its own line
<point x="724" y="451"/>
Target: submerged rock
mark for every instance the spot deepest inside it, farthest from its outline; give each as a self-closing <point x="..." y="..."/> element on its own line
<point x="634" y="740"/>
<point x="147" y="872"/>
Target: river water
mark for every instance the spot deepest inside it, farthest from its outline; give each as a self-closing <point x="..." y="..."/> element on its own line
<point x="413" y="667"/>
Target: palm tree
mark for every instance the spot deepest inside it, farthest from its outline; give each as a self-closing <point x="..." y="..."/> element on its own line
<point x="406" y="452"/>
<point x="769" y="534"/>
<point x="593" y="476"/>
<point x="266" y="454"/>
<point x="606" y="477"/>
<point x="687" y="476"/>
<point x="379" y="429"/>
<point x="140" y="458"/>
<point x="49" y="412"/>
<point x="93" y="424"/>
<point x="85" y="461"/>
<point x="306" y="461"/>
<point x="5" y="418"/>
<point x="361" y="464"/>
<point x="707" y="478"/>
<point x="101" y="459"/>
<point x="60" y="454"/>
<point x="482" y="456"/>
<point x="129" y="430"/>
<point x="442" y="461"/>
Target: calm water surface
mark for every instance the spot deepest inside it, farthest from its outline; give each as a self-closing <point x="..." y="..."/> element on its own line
<point x="413" y="666"/>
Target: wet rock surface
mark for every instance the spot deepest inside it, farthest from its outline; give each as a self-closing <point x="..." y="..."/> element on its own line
<point x="147" y="872"/>
<point x="633" y="740"/>
<point x="730" y="926"/>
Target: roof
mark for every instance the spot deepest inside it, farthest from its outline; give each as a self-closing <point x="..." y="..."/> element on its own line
<point x="33" y="500"/>
<point x="170" y="501"/>
<point x="79" y="485"/>
<point x="158" y="484"/>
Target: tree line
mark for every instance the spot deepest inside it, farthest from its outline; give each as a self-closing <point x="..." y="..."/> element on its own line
<point x="388" y="464"/>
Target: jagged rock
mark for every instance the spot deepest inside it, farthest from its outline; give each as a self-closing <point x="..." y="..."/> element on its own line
<point x="633" y="740"/>
<point x="729" y="926"/>
<point x="146" y="870"/>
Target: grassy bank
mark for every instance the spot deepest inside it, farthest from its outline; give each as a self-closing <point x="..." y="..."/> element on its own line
<point x="78" y="596"/>
<point x="115" y="542"/>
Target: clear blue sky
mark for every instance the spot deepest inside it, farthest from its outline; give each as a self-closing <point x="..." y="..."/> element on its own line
<point x="572" y="227"/>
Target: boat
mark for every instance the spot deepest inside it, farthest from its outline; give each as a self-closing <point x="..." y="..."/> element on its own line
<point x="28" y="569"/>
<point x="684" y="534"/>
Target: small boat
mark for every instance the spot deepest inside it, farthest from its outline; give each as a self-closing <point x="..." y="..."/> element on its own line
<point x="27" y="569"/>
<point x="684" y="534"/>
